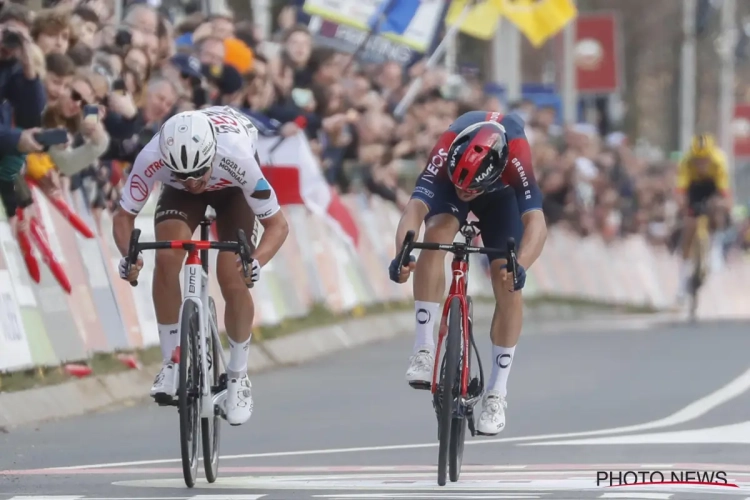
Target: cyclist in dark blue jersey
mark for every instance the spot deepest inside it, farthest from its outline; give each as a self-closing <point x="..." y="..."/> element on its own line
<point x="481" y="164"/>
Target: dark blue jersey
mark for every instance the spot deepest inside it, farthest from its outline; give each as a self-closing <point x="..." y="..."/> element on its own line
<point x="518" y="174"/>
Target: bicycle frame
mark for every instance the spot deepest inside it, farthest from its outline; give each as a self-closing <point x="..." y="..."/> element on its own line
<point x="195" y="286"/>
<point x="459" y="284"/>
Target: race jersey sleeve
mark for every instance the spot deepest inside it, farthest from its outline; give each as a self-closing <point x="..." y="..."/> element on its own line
<point x="519" y="173"/>
<point x="258" y="192"/>
<point x="143" y="175"/>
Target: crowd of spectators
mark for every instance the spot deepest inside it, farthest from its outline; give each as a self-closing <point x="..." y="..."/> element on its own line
<point x="141" y="70"/>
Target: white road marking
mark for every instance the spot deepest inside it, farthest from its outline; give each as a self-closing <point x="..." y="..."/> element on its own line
<point x="634" y="496"/>
<point x="37" y="497"/>
<point x="692" y="411"/>
<point x="195" y="497"/>
<point x="724" y="434"/>
<point x="428" y="496"/>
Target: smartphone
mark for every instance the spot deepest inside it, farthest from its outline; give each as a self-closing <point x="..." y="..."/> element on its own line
<point x="52" y="137"/>
<point x="119" y="86"/>
<point x="302" y="97"/>
<point x="91" y="113"/>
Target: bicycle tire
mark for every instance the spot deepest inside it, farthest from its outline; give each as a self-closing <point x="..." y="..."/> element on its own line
<point x="188" y="392"/>
<point x="210" y="427"/>
<point x="448" y="377"/>
<point x="458" y="429"/>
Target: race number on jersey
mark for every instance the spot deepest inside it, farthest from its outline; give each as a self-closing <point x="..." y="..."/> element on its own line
<point x="226" y="120"/>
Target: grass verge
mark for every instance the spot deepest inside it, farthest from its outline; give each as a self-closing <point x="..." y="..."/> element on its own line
<point x="109" y="363"/>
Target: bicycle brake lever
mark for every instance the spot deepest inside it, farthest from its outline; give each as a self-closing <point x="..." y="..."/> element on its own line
<point x="133" y="252"/>
<point x="406" y="248"/>
<point x="244" y="253"/>
<point x="512" y="263"/>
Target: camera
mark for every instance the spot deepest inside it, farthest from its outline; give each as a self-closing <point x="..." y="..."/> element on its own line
<point x="123" y="37"/>
<point x="11" y="39"/>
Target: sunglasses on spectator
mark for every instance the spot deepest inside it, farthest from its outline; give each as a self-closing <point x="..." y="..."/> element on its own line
<point x="76" y="97"/>
<point x="197" y="175"/>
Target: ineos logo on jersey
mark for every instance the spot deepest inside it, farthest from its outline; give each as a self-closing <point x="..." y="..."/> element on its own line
<point x="423" y="316"/>
<point x="138" y="188"/>
<point x="503" y="360"/>
<point x="437" y="162"/>
<point x="192" y="279"/>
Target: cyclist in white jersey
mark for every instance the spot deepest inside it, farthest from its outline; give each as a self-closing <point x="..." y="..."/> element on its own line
<point x="203" y="158"/>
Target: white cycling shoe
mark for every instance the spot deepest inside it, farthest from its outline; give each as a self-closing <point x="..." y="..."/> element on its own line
<point x="239" y="402"/>
<point x="421" y="364"/>
<point x="492" y="417"/>
<point x="165" y="383"/>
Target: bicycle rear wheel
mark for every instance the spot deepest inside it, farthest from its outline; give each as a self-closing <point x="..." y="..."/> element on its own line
<point x="210" y="427"/>
<point x="189" y="391"/>
<point x="449" y="389"/>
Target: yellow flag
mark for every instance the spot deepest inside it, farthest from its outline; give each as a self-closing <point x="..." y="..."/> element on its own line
<point x="481" y="21"/>
<point x="539" y="20"/>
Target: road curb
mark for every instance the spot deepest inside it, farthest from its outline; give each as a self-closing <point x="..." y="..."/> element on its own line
<point x="79" y="397"/>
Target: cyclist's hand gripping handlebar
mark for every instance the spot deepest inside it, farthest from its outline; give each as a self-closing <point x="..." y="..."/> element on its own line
<point x="244" y="253"/>
<point x="403" y="259"/>
<point x="133" y="252"/>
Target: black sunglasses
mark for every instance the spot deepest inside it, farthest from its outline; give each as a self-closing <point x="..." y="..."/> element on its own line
<point x="77" y="97"/>
<point x="197" y="174"/>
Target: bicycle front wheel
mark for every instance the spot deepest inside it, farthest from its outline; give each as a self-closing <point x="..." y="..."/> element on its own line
<point x="189" y="391"/>
<point x="449" y="389"/>
<point x="210" y="427"/>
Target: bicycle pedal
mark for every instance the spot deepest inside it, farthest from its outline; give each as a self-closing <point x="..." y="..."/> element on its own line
<point x="419" y="385"/>
<point x="164" y="399"/>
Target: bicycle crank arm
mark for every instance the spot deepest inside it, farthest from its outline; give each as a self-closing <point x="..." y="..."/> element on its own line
<point x="471" y="401"/>
<point x="219" y="404"/>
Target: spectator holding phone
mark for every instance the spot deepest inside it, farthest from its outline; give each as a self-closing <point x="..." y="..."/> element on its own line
<point x="78" y="113"/>
<point x="20" y="84"/>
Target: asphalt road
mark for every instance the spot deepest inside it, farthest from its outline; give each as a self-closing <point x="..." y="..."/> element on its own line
<point x="349" y="427"/>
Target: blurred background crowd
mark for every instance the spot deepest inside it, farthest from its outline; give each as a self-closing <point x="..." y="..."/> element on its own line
<point x="151" y="63"/>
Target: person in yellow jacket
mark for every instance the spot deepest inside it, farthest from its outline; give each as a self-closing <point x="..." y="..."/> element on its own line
<point x="702" y="179"/>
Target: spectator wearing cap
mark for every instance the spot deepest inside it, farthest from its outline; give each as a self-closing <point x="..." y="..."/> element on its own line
<point x="238" y="55"/>
<point x="225" y="87"/>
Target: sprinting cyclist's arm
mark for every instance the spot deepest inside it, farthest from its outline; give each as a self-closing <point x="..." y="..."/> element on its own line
<point x="519" y="174"/>
<point x="262" y="200"/>
<point x="722" y="174"/>
<point x="134" y="196"/>
<point x="411" y="220"/>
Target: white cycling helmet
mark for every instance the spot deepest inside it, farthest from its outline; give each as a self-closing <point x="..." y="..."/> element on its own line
<point x="188" y="143"/>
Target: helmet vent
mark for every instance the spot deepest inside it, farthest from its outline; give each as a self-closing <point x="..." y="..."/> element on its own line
<point x="184" y="157"/>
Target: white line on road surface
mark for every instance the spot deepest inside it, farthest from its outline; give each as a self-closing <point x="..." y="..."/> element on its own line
<point x="195" y="497"/>
<point x="634" y="496"/>
<point x="694" y="410"/>
<point x="429" y="496"/>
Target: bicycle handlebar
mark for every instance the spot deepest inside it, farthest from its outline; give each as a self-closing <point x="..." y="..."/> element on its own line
<point x="460" y="249"/>
<point x="240" y="247"/>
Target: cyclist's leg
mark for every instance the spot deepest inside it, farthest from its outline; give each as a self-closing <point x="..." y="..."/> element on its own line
<point x="441" y="226"/>
<point x="177" y="216"/>
<point x="499" y="219"/>
<point x="233" y="213"/>
<point x="696" y="197"/>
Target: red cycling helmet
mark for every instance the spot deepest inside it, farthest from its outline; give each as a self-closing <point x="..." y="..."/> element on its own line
<point x="477" y="156"/>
